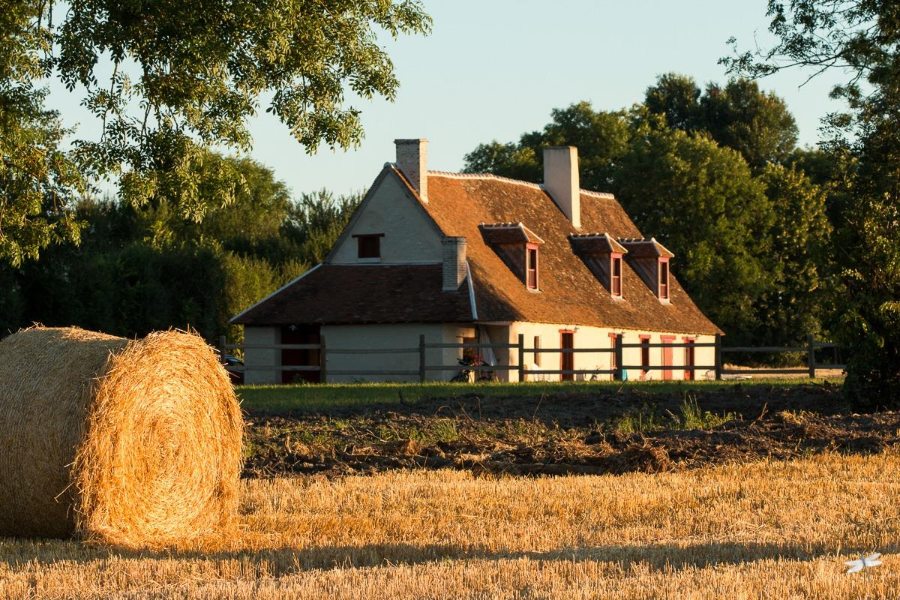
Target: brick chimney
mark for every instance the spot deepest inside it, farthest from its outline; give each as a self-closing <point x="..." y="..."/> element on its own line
<point x="562" y="182"/>
<point x="453" y="254"/>
<point x="412" y="158"/>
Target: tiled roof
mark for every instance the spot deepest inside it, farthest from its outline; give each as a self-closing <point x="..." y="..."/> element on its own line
<point x="594" y="243"/>
<point x="467" y="205"/>
<point x="348" y="294"/>
<point x="643" y="248"/>
<point x="508" y="233"/>
<point x="569" y="291"/>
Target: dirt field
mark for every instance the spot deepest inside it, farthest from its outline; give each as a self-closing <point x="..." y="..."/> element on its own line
<point x="571" y="433"/>
<point x="771" y="529"/>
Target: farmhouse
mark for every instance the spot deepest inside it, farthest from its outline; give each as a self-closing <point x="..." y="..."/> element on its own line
<point x="481" y="259"/>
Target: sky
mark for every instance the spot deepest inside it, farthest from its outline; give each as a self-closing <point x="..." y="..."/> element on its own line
<point x="494" y="69"/>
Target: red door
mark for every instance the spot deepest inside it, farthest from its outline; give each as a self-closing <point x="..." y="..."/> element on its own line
<point x="689" y="360"/>
<point x="667" y="355"/>
<point x="567" y="359"/>
<point x="300" y="334"/>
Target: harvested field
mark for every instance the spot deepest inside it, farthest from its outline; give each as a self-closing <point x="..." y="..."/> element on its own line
<point x="568" y="433"/>
<point x="771" y="529"/>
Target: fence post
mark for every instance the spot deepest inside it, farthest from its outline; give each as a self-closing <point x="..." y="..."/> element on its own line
<point x="718" y="357"/>
<point x="422" y="358"/>
<point x="222" y="341"/>
<point x="323" y="361"/>
<point x="521" y="357"/>
<point x="811" y="351"/>
<point x="619" y="354"/>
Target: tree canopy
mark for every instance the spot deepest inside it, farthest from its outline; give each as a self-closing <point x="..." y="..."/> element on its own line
<point x="862" y="39"/>
<point x="738" y="116"/>
<point x="186" y="78"/>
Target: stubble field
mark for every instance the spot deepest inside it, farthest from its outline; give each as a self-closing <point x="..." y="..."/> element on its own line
<point x="778" y="529"/>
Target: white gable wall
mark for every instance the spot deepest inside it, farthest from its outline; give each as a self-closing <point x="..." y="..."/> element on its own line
<point x="409" y="234"/>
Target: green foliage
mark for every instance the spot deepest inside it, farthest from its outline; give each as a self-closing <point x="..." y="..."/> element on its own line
<point x="38" y="180"/>
<point x="314" y="223"/>
<point x="128" y="279"/>
<point x="694" y="417"/>
<point x="737" y="116"/>
<point x="801" y="291"/>
<point x="601" y="138"/>
<point x="862" y="38"/>
<point x="703" y="203"/>
<point x="186" y="78"/>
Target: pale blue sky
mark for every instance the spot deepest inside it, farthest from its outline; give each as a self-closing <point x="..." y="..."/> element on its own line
<point x="493" y="69"/>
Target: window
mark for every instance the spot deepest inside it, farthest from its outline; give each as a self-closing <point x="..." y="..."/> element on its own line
<point x="368" y="245"/>
<point x="645" y="356"/>
<point x="531" y="267"/>
<point x="537" y="346"/>
<point x="663" y="279"/>
<point x="615" y="279"/>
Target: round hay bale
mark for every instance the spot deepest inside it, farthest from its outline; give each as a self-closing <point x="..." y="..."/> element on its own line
<point x="133" y="443"/>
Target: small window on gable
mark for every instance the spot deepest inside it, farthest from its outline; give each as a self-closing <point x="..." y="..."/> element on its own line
<point x="615" y="278"/>
<point x="663" y="279"/>
<point x="531" y="266"/>
<point x="369" y="245"/>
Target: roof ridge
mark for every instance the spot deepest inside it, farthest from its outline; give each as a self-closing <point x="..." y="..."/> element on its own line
<point x="452" y="175"/>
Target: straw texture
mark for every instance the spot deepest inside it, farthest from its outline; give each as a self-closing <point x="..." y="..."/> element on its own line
<point x="129" y="443"/>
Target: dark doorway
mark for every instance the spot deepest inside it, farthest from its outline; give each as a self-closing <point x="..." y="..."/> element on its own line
<point x="300" y="334"/>
<point x="567" y="359"/>
<point x="689" y="359"/>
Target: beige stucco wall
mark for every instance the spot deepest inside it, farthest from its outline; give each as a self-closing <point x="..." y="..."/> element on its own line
<point x="409" y="234"/>
<point x="598" y="337"/>
<point x="264" y="336"/>
<point x="407" y="336"/>
<point x="390" y="336"/>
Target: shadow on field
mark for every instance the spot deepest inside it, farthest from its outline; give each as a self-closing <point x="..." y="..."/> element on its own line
<point x="275" y="562"/>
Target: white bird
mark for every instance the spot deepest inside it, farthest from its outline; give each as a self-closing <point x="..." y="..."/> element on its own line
<point x="866" y="562"/>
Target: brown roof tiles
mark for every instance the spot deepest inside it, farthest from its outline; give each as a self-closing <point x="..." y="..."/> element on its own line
<point x="467" y="205"/>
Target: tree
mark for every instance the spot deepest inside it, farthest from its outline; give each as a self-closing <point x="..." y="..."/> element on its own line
<point x="703" y="203"/>
<point x="862" y="38"/>
<point x="37" y="179"/>
<point x="798" y="260"/>
<point x="677" y="97"/>
<point x="601" y="138"/>
<point x="314" y="224"/>
<point x="738" y="116"/>
<point x="755" y="123"/>
<point x="186" y="77"/>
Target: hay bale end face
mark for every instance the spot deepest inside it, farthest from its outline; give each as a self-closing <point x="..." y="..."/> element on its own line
<point x="129" y="443"/>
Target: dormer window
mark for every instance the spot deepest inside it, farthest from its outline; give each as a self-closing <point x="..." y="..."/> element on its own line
<point x="615" y="278"/>
<point x="517" y="246"/>
<point x="368" y="246"/>
<point x="603" y="256"/>
<point x="663" y="278"/>
<point x="650" y="260"/>
<point x="531" y="261"/>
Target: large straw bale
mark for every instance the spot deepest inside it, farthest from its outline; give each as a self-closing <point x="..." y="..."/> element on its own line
<point x="133" y="443"/>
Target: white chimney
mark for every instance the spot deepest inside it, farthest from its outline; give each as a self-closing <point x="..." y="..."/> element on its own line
<point x="412" y="158"/>
<point x="562" y="182"/>
<point x="453" y="254"/>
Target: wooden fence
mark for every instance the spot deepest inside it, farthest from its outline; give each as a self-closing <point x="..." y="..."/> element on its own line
<point x="618" y="372"/>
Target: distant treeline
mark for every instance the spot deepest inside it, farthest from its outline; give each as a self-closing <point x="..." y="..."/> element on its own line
<point x="139" y="270"/>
